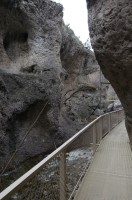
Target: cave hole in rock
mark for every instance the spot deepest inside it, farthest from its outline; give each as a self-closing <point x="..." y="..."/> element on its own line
<point x="15" y="44"/>
<point x="20" y="124"/>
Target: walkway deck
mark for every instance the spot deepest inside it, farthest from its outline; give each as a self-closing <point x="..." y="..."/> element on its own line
<point x="110" y="174"/>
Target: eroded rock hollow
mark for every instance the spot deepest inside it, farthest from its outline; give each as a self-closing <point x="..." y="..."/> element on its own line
<point x="110" y="24"/>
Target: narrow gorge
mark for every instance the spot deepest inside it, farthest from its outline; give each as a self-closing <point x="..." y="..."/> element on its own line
<point x="43" y="65"/>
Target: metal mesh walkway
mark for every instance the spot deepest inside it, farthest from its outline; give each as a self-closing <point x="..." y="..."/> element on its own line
<point x="110" y="174"/>
<point x="58" y="176"/>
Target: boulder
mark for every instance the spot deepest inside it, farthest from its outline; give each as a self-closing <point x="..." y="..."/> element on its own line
<point x="116" y="105"/>
<point x="111" y="36"/>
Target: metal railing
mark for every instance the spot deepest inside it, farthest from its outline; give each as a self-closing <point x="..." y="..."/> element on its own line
<point x="57" y="177"/>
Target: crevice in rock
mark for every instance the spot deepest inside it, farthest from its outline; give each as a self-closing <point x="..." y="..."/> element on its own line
<point x="83" y="88"/>
<point x="21" y="122"/>
<point x="15" y="44"/>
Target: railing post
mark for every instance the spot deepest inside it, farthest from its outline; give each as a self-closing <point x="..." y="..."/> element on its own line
<point x="101" y="128"/>
<point x="118" y="117"/>
<point x="119" y="112"/>
<point x="94" y="139"/>
<point x="109" y="121"/>
<point x="122" y="115"/>
<point x="63" y="176"/>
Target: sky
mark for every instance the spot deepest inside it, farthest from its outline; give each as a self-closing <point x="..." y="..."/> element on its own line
<point x="75" y="14"/>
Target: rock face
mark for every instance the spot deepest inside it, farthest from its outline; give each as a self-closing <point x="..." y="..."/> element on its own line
<point x="42" y="63"/>
<point x="81" y="92"/>
<point x="110" y="24"/>
<point x="111" y="95"/>
<point x="30" y="65"/>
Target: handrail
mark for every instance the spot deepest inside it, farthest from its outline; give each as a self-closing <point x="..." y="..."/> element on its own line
<point x="14" y="187"/>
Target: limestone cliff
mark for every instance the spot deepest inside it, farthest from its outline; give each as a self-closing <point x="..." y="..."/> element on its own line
<point x="81" y="76"/>
<point x="110" y="24"/>
<point x="41" y="60"/>
<point x="30" y="68"/>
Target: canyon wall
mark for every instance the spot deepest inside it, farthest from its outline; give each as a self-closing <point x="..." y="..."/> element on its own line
<point x="110" y="25"/>
<point x="42" y="64"/>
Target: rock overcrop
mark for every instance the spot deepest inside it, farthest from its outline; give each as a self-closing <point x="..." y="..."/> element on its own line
<point x="110" y="24"/>
<point x="42" y="63"/>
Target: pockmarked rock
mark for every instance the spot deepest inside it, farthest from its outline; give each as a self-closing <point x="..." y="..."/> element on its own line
<point x="42" y="62"/>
